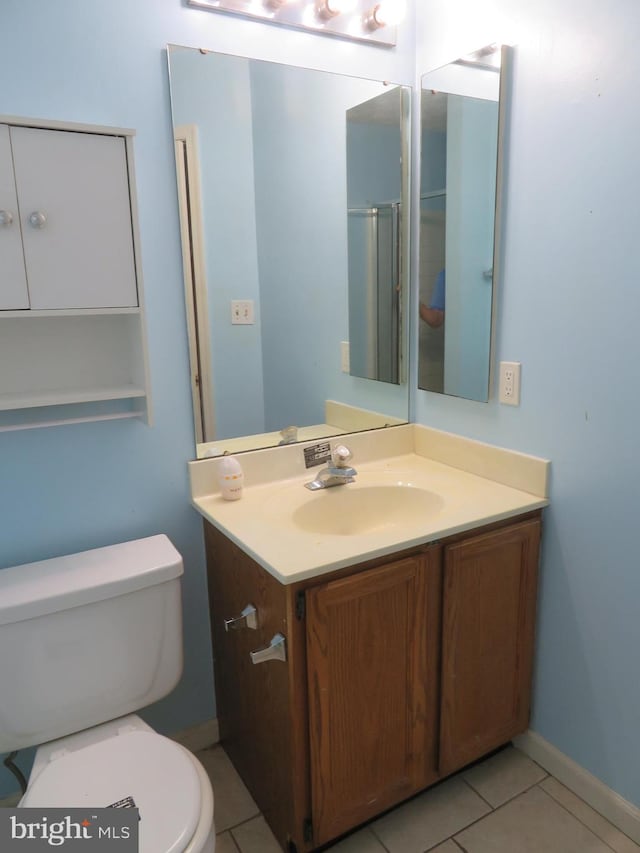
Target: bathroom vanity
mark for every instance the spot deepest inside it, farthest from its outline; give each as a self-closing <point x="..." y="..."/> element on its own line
<point x="401" y="665"/>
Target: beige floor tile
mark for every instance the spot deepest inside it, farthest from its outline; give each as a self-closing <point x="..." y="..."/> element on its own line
<point x="233" y="804"/>
<point x="430" y="818"/>
<point x="504" y="776"/>
<point x="363" y="841"/>
<point x="610" y="834"/>
<point x="447" y="847"/>
<point x="530" y="823"/>
<point x="225" y="843"/>
<point x="254" y="836"/>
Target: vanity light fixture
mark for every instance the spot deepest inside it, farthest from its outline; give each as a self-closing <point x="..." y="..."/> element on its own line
<point x="386" y="13"/>
<point x="330" y="8"/>
<point x="357" y="20"/>
<point x="277" y="4"/>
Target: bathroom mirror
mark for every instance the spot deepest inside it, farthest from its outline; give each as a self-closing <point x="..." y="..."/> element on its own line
<point x="462" y="112"/>
<point x="271" y="160"/>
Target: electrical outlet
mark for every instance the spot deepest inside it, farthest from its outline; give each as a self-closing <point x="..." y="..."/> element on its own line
<point x="242" y="312"/>
<point x="510" y="383"/>
<point x="345" y="356"/>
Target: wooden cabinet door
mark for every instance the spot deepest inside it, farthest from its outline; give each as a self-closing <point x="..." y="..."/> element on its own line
<point x="13" y="281"/>
<point x="489" y="605"/>
<point x="372" y="653"/>
<point x="75" y="213"/>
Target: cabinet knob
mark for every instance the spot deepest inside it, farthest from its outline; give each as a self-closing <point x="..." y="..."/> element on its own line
<point x="37" y="219"/>
<point x="6" y="218"/>
<point x="276" y="650"/>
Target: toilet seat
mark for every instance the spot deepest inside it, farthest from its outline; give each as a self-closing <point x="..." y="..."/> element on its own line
<point x="155" y="772"/>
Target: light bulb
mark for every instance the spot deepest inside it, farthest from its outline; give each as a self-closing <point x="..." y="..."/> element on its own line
<point x="386" y="13"/>
<point x="332" y="8"/>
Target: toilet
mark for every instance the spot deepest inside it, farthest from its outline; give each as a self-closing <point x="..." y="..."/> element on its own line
<point x="86" y="640"/>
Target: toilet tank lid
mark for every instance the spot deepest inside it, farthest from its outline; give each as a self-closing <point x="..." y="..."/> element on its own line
<point x="35" y="589"/>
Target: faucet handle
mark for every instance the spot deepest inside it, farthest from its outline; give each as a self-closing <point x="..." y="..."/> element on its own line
<point x="341" y="455"/>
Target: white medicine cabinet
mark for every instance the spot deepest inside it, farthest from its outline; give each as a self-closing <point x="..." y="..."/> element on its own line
<point x="72" y="332"/>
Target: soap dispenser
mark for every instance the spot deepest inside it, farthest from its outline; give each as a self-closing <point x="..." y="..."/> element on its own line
<point x="231" y="478"/>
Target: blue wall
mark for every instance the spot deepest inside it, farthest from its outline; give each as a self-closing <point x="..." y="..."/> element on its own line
<point x="568" y="308"/>
<point x="68" y="488"/>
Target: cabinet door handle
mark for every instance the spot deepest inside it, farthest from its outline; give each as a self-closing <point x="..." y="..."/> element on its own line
<point x="276" y="650"/>
<point x="248" y="618"/>
<point x="6" y="218"/>
<point x="37" y="219"/>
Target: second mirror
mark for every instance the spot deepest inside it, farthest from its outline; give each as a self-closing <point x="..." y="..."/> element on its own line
<point x="461" y="128"/>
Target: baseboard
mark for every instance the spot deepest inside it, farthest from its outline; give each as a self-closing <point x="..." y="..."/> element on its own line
<point x="199" y="737"/>
<point x="607" y="802"/>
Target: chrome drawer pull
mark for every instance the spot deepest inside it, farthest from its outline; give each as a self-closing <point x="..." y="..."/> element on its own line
<point x="247" y="619"/>
<point x="276" y="650"/>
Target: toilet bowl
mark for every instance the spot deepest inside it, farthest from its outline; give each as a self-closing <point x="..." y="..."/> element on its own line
<point x="125" y="763"/>
<point x="112" y="615"/>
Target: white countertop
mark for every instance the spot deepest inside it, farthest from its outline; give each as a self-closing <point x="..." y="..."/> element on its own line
<point x="261" y="522"/>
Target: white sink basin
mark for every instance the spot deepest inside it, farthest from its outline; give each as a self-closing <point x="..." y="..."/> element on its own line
<point x="347" y="511"/>
<point x="396" y="502"/>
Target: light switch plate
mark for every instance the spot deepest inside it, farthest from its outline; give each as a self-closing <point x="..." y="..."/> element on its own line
<point x="242" y="312"/>
<point x="345" y="356"/>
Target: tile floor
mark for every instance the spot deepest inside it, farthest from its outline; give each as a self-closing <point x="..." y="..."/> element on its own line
<point x="506" y="804"/>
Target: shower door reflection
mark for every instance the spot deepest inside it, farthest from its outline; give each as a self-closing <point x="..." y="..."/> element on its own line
<point x="374" y="298"/>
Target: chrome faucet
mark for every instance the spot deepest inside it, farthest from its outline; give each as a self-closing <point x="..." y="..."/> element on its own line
<point x="338" y="473"/>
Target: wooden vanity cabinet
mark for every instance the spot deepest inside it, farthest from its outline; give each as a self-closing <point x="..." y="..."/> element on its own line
<point x="399" y="671"/>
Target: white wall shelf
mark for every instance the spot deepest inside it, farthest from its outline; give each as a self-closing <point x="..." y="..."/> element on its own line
<point x="72" y="330"/>
<point x="118" y="416"/>
<point x="70" y="413"/>
<point x="64" y="397"/>
<point x="67" y="312"/>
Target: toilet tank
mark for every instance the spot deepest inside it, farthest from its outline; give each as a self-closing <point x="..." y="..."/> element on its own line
<point x="87" y="638"/>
